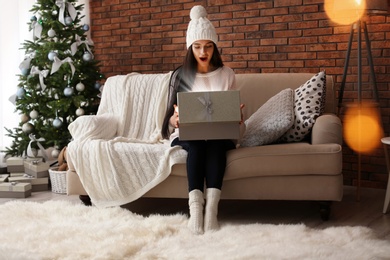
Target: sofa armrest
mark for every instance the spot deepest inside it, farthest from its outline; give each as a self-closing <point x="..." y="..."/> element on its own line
<point x="94" y="127"/>
<point x="327" y="129"/>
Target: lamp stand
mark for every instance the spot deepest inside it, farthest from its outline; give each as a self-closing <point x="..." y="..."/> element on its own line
<point x="359" y="25"/>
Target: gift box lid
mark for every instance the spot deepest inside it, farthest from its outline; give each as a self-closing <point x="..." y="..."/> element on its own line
<point x="36" y="165"/>
<point x="15" y="161"/>
<point x="15" y="186"/>
<point x="209" y="107"/>
<point x="29" y="179"/>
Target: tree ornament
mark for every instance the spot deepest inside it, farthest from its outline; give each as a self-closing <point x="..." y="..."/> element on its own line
<point x="97" y="85"/>
<point x="86" y="27"/>
<point x="24" y="118"/>
<point x="51" y="55"/>
<point x="68" y="20"/>
<point x="34" y="114"/>
<point x="54" y="12"/>
<point x="33" y="18"/>
<point x="87" y="56"/>
<point x="55" y="153"/>
<point x="25" y="71"/>
<point x="51" y="33"/>
<point x="80" y="112"/>
<point x="57" y="123"/>
<point x="27" y="128"/>
<point x="20" y="92"/>
<point x="80" y="86"/>
<point x="68" y="91"/>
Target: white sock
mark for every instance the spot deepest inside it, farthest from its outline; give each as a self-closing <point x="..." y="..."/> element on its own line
<point x="212" y="200"/>
<point x="196" y="203"/>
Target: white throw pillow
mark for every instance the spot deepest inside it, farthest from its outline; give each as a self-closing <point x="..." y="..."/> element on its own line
<point x="270" y="121"/>
<point x="308" y="105"/>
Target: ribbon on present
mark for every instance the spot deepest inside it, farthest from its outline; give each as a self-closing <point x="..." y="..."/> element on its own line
<point x="29" y="149"/>
<point x="37" y="29"/>
<point x="207" y="103"/>
<point x="78" y="42"/>
<point x="58" y="63"/>
<point x="62" y="4"/>
<point x="11" y="187"/>
<point x="42" y="74"/>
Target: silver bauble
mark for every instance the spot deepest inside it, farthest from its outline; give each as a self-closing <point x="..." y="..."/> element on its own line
<point x="68" y="91"/>
<point x="57" y="123"/>
<point x="34" y="114"/>
<point x="51" y="33"/>
<point x="27" y="128"/>
<point x="87" y="56"/>
<point x="80" y="112"/>
<point x="51" y="55"/>
<point x="24" y="118"/>
<point x="80" y="86"/>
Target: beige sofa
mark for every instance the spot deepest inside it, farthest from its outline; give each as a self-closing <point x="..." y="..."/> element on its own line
<point x="308" y="170"/>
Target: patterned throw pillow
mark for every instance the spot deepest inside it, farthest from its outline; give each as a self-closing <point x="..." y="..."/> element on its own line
<point x="308" y="105"/>
<point x="270" y="121"/>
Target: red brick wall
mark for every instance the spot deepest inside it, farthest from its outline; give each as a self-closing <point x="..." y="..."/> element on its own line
<point x="254" y="36"/>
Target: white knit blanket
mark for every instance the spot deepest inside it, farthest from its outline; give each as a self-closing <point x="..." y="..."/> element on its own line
<point x="119" y="154"/>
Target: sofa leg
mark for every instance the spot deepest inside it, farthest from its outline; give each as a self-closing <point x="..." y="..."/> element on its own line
<point x="86" y="200"/>
<point x="325" y="210"/>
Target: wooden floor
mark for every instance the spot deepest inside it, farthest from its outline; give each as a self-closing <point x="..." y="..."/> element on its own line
<point x="349" y="212"/>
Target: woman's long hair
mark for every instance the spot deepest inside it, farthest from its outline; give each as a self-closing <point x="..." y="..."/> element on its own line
<point x="182" y="79"/>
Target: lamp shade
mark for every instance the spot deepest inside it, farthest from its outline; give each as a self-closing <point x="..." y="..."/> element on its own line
<point x="376" y="6"/>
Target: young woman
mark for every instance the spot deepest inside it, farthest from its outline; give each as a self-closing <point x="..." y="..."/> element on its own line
<point x="202" y="70"/>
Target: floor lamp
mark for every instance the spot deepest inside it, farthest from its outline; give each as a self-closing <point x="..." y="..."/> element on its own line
<point x="374" y="7"/>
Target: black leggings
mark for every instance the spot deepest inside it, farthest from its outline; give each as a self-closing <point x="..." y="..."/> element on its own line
<point x="206" y="160"/>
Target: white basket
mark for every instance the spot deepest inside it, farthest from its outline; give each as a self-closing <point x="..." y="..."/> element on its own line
<point x="58" y="181"/>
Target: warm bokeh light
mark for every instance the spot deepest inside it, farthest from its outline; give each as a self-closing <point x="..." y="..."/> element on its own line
<point x="345" y="11"/>
<point x="362" y="127"/>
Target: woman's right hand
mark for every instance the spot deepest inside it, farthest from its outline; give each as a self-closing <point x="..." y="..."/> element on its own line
<point x="174" y="120"/>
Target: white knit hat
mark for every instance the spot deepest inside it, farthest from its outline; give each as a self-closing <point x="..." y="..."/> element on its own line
<point x="200" y="28"/>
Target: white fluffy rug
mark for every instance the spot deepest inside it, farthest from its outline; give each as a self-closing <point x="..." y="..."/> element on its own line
<point x="62" y="230"/>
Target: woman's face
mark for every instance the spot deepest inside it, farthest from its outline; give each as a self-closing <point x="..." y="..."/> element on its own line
<point x="203" y="51"/>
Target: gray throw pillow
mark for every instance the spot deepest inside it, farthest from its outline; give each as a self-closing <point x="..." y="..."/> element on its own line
<point x="308" y="105"/>
<point x="270" y="121"/>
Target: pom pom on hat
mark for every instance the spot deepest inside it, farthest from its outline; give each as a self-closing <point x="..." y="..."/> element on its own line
<point x="200" y="28"/>
<point x="197" y="12"/>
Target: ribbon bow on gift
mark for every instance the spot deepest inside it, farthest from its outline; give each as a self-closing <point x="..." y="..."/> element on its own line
<point x="42" y="74"/>
<point x="11" y="187"/>
<point x="29" y="149"/>
<point x="71" y="10"/>
<point x="37" y="29"/>
<point x="58" y="63"/>
<point x="78" y="42"/>
<point x="206" y="102"/>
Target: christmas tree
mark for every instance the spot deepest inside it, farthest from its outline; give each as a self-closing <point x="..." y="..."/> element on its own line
<point x="59" y="77"/>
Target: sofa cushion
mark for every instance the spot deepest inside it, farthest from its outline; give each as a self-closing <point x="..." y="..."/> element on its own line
<point x="270" y="121"/>
<point x="308" y="105"/>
